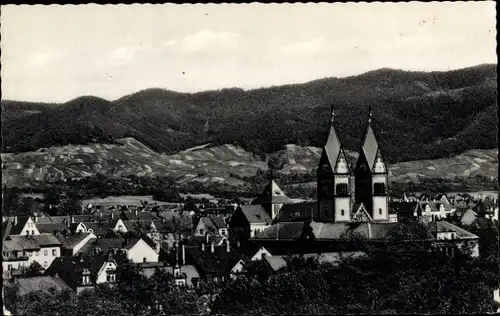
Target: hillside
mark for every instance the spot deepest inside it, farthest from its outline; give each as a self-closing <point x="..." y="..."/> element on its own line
<point x="419" y="115"/>
<point x="210" y="164"/>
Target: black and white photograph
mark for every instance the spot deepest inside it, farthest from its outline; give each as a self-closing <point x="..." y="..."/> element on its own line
<point x="250" y="159"/>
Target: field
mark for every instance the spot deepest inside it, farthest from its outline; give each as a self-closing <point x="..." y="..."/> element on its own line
<point x="219" y="164"/>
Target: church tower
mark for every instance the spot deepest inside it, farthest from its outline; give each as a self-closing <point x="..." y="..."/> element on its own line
<point x="334" y="181"/>
<point x="371" y="177"/>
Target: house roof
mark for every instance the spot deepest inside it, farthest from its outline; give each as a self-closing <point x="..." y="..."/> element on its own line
<point x="255" y="213"/>
<point x="218" y="221"/>
<point x="99" y="228"/>
<point x="335" y="231"/>
<point x="6" y="228"/>
<point x="276" y="262"/>
<point x="272" y="194"/>
<point x="70" y="268"/>
<point x="40" y="283"/>
<point x="31" y="242"/>
<point x="191" y="273"/>
<point x="75" y="239"/>
<point x="141" y="215"/>
<point x="220" y="261"/>
<point x="21" y="222"/>
<point x="51" y="227"/>
<point x="198" y="240"/>
<point x="108" y="244"/>
<point x="297" y="211"/>
<point x="370" y="147"/>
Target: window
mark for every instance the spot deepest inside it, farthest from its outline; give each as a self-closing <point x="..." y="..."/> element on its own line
<point x="379" y="211"/>
<point x="341" y="189"/>
<point x="379" y="188"/>
<point x="9" y="267"/>
<point x="36" y="253"/>
<point x="45" y="264"/>
<point x="30" y="253"/>
<point x="110" y="278"/>
<point x="54" y="252"/>
<point x="201" y="231"/>
<point x="342" y="212"/>
<point x="45" y="252"/>
<point x="32" y="232"/>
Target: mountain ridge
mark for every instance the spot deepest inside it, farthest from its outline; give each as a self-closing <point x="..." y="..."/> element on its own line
<point x="418" y="115"/>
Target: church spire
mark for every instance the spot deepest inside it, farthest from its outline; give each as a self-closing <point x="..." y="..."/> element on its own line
<point x="332" y="115"/>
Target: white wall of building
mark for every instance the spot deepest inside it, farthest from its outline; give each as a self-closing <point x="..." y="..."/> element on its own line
<point x="342" y="209"/>
<point x="102" y="274"/>
<point x="140" y="251"/>
<point x="257" y="228"/>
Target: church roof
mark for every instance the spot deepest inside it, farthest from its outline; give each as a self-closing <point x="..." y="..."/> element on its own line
<point x="370" y="147"/>
<point x="333" y="147"/>
<point x="272" y="194"/>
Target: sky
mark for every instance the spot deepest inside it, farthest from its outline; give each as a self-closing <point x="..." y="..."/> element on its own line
<point x="56" y="53"/>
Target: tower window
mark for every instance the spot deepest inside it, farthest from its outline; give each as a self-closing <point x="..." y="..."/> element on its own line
<point x="342" y="212"/>
<point x="379" y="188"/>
<point x="379" y="211"/>
<point x="341" y="189"/>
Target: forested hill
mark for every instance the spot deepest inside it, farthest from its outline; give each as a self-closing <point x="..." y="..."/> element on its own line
<point x="417" y="115"/>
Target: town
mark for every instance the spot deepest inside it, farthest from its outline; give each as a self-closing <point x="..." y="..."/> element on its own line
<point x="250" y="159"/>
<point x="214" y="244"/>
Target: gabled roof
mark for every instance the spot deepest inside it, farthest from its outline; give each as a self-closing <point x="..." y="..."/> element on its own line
<point x="51" y="227"/>
<point x="40" y="283"/>
<point x="360" y="213"/>
<point x="370" y="147"/>
<point x="272" y="194"/>
<point x="6" y="228"/>
<point x="71" y="268"/>
<point x="275" y="262"/>
<point x="297" y="211"/>
<point x="255" y="214"/>
<point x="21" y="222"/>
<point x="220" y="261"/>
<point x="31" y="242"/>
<point x="75" y="239"/>
<point x="139" y="215"/>
<point x="218" y="221"/>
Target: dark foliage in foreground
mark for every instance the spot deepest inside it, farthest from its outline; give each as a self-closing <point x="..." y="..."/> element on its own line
<point x="386" y="282"/>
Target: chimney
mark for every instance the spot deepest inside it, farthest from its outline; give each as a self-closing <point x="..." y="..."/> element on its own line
<point x="35" y="218"/>
<point x="212" y="247"/>
<point x="228" y="247"/>
<point x="207" y="237"/>
<point x="238" y="244"/>
<point x="110" y="256"/>
<point x="202" y="247"/>
<point x="136" y="213"/>
<point x="15" y="220"/>
<point x="72" y="219"/>
<point x="183" y="254"/>
<point x="112" y="215"/>
<point x="370" y="235"/>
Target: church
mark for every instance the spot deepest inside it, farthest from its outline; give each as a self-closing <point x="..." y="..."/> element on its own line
<point x="345" y="194"/>
<point x="351" y="201"/>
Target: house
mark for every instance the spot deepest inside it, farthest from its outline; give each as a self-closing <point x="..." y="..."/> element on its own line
<point x="134" y="249"/>
<point x="214" y="225"/>
<point x="296" y="211"/>
<point x="468" y="217"/>
<point x="72" y="245"/>
<point x="40" y="283"/>
<point x="272" y="199"/>
<point x="84" y="272"/>
<point x="435" y="210"/>
<point x="22" y="250"/>
<point x="215" y="263"/>
<point x="247" y="221"/>
<point x="496" y="298"/>
<point x="337" y="235"/>
<point x="21" y="225"/>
